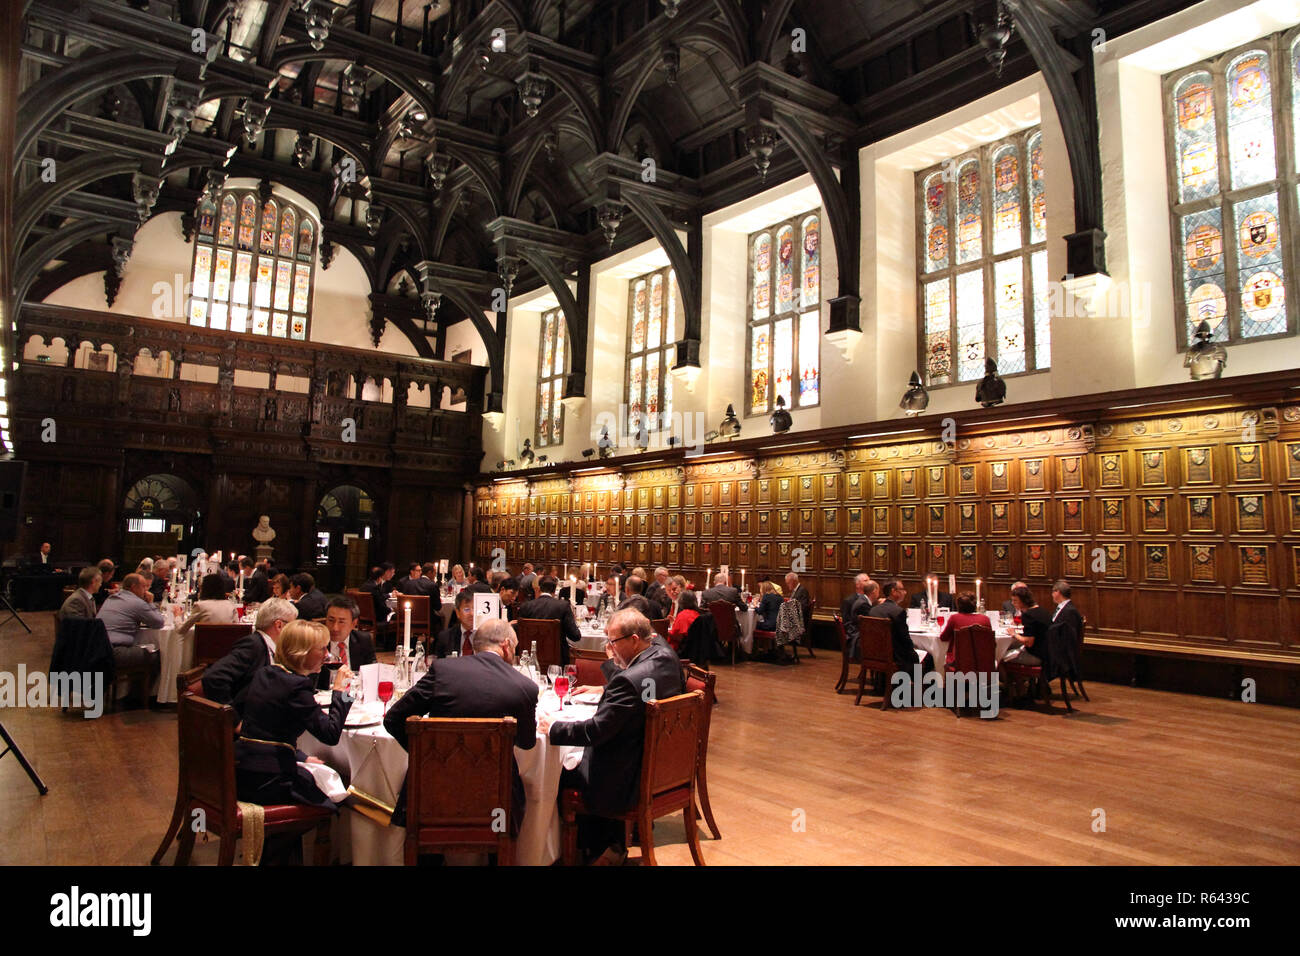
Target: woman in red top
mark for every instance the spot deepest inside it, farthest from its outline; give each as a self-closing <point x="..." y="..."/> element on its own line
<point x="688" y="609"/>
<point x="964" y="617"/>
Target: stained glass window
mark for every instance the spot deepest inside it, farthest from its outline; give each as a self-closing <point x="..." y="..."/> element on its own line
<point x="552" y="364"/>
<point x="784" y="329"/>
<point x="263" y="285"/>
<point x="987" y="296"/>
<point x="1232" y="187"/>
<point x="651" y="342"/>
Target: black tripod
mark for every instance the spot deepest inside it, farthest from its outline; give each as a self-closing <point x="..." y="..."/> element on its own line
<point x="5" y="605"/>
<point x="13" y="747"/>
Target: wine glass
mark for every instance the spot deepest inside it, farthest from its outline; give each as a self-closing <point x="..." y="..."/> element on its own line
<point x="571" y="672"/>
<point x="561" y="687"/>
<point x="552" y="672"/>
<point x="385" y="691"/>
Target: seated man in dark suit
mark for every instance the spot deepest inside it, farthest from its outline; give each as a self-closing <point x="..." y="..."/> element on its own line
<point x="572" y="591"/>
<point x="508" y="590"/>
<point x="547" y="607"/>
<point x="380" y="575"/>
<point x="484" y="684"/>
<point x="477" y="582"/>
<point x="722" y="590"/>
<point x="657" y="589"/>
<point x="456" y="639"/>
<point x="309" y="599"/>
<point x="429" y="586"/>
<point x="161" y="578"/>
<point x="1009" y="605"/>
<point x="610" y="773"/>
<point x="353" y="649"/>
<point x="858" y="605"/>
<point x="227" y="681"/>
<point x="106" y="586"/>
<point x="634" y="597"/>
<point x="257" y="587"/>
<point x="893" y="610"/>
<point x="410" y="583"/>
<point x="1034" y="621"/>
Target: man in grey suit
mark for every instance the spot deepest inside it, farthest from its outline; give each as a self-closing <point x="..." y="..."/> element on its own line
<point x="722" y="591"/>
<point x="81" y="602"/>
<point x="123" y="614"/>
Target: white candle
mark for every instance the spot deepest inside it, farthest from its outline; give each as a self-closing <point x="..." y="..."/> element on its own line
<point x="406" y="638"/>
<point x="742" y="579"/>
<point x="573" y="593"/>
<point x="977" y="590"/>
<point x="240" y="586"/>
<point x="708" y="579"/>
<point x="952" y="584"/>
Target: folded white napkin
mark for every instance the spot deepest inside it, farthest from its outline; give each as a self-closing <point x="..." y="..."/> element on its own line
<point x="328" y="779"/>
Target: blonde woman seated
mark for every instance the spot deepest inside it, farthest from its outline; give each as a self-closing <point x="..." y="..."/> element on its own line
<point x="458" y="576"/>
<point x="211" y="607"/>
<point x="281" y="704"/>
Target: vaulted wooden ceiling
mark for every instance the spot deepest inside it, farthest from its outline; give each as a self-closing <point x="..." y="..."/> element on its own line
<point x="460" y="186"/>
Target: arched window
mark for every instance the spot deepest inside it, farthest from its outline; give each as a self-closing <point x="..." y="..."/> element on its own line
<point x="1233" y="175"/>
<point x="552" y="365"/>
<point x="651" y="336"/>
<point x="784" y="350"/>
<point x="253" y="267"/>
<point x="986" y="294"/>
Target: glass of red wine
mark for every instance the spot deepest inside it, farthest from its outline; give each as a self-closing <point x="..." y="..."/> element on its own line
<point x="385" y="691"/>
<point x="562" y="687"/>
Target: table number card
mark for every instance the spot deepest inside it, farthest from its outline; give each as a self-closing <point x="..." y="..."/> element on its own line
<point x="1116" y="566"/>
<point x="938" y="519"/>
<point x="880" y="554"/>
<point x="1073" y="564"/>
<point x="907" y="482"/>
<point x="1071" y="472"/>
<point x="1001" y="517"/>
<point x="1250" y="513"/>
<point x="1200" y="513"/>
<point x="1204" y="566"/>
<point x="998" y="472"/>
<point x="1001" y="559"/>
<point x="938" y="480"/>
<point x="966" y="480"/>
<point x="1035" y="516"/>
<point x="1157" y="561"/>
<point x="966" y="560"/>
<point x="1072" y="514"/>
<point x="1254" y="564"/>
<point x="1155" y="515"/>
<point x="855" y="521"/>
<point x="907" y="559"/>
<point x="487" y="607"/>
<point x="966" y="516"/>
<point x="1035" y="479"/>
<point x="1112" y="471"/>
<point x="907" y="519"/>
<point x="1247" y="464"/>
<point x="1036" y="560"/>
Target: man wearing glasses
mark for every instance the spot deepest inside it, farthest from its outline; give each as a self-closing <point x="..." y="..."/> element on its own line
<point x="227" y="681"/>
<point x="610" y="772"/>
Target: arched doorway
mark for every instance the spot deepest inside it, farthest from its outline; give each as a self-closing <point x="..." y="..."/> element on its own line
<point x="160" y="515"/>
<point x="345" y="525"/>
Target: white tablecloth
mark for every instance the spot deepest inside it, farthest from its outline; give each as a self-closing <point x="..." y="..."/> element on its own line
<point x="747" y="621"/>
<point x="373" y="762"/>
<point x="175" y="654"/>
<point x="927" y="639"/>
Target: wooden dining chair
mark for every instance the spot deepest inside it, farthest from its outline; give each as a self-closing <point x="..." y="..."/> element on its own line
<point x="547" y="635"/>
<point x="419" y="610"/>
<point x="846" y="656"/>
<point x="975" y="651"/>
<point x="661" y="626"/>
<point x="474" y="815"/>
<point x="214" y="641"/>
<point x="188" y="684"/>
<point x="669" y="759"/>
<point x="589" y="664"/>
<point x="365" y="602"/>
<point x="206" y="789"/>
<point x="724" y="616"/>
<point x="875" y="653"/>
<point x="697" y="678"/>
<point x="807" y="628"/>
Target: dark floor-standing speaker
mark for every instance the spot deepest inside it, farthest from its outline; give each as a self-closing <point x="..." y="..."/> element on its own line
<point x="12" y="474"/>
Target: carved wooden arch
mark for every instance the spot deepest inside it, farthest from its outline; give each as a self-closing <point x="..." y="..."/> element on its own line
<point x="355" y="247"/>
<point x="483" y="173"/>
<point x="73" y="175"/>
<point x="687" y="281"/>
<point x="272" y="28"/>
<point x="44" y="101"/>
<point x="843" y="219"/>
<point x="587" y="111"/>
<point x="773" y="20"/>
<point x="707" y="34"/>
<point x="574" y="318"/>
<point x="414" y="227"/>
<point x="466" y="60"/>
<point x="50" y="281"/>
<point x="51" y="247"/>
<point x="353" y="148"/>
<point x="303" y="53"/>
<point x="734" y="21"/>
<point x="492" y="342"/>
<point x="515" y="189"/>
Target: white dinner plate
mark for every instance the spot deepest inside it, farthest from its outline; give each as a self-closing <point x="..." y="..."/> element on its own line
<point x="591" y="698"/>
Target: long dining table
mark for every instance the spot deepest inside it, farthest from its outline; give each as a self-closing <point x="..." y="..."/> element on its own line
<point x="369" y="759"/>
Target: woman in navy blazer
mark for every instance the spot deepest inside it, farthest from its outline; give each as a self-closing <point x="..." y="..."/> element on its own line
<point x="280" y="705"/>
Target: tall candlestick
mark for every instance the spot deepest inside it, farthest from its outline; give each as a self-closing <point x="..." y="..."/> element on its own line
<point x="977" y="590"/>
<point x="708" y="579"/>
<point x="952" y="584"/>
<point x="742" y="579"/>
<point x="406" y="638"/>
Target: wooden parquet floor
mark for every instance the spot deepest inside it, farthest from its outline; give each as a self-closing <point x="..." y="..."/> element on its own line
<point x="798" y="775"/>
